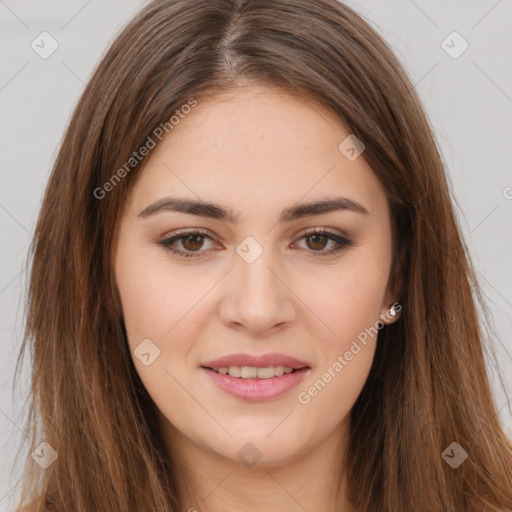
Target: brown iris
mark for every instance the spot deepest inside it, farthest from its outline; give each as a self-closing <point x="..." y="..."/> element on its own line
<point x="319" y="241"/>
<point x="193" y="242"/>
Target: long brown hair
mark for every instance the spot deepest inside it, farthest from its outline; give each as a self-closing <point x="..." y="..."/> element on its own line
<point x="428" y="385"/>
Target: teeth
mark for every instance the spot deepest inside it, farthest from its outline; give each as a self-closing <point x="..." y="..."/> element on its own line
<point x="251" y="372"/>
<point x="248" y="372"/>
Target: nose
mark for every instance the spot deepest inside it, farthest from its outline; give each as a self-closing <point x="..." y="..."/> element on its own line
<point x="257" y="298"/>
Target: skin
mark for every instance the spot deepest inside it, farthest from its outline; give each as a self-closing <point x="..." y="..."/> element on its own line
<point x="256" y="150"/>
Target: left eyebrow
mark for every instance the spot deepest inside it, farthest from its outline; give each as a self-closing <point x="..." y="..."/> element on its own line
<point x="215" y="211"/>
<point x="321" y="207"/>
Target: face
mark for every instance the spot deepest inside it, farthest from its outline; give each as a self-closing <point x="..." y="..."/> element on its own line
<point x="287" y="293"/>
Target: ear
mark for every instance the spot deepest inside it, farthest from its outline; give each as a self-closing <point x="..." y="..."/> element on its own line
<point x="392" y="307"/>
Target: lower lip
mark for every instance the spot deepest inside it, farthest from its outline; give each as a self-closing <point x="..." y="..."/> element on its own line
<point x="257" y="390"/>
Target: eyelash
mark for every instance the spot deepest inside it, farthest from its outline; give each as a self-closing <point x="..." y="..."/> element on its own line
<point x="340" y="240"/>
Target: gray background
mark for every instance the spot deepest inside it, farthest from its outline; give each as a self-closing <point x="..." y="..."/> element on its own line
<point x="468" y="99"/>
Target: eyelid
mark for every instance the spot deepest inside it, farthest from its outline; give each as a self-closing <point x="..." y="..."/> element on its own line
<point x="323" y="230"/>
<point x="340" y="238"/>
<point x="306" y="231"/>
<point x="180" y="234"/>
<point x="188" y="231"/>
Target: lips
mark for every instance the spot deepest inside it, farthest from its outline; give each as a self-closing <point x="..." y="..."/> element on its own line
<point x="258" y="361"/>
<point x="256" y="378"/>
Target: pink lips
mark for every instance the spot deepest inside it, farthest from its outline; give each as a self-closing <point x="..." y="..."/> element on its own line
<point x="262" y="361"/>
<point x="256" y="389"/>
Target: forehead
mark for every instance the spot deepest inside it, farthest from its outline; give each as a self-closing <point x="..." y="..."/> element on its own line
<point x="253" y="148"/>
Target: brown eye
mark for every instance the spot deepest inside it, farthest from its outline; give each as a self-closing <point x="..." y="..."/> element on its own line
<point x="193" y="242"/>
<point x="190" y="243"/>
<point x="319" y="242"/>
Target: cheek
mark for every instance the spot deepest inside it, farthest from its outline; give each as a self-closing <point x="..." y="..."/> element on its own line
<point x="154" y="297"/>
<point x="326" y="400"/>
<point x="144" y="304"/>
<point x="349" y="299"/>
<point x="349" y="306"/>
<point x="159" y="306"/>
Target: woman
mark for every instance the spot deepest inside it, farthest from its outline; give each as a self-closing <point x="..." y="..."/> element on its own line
<point x="249" y="290"/>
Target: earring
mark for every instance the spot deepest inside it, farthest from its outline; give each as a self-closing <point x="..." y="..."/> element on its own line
<point x="393" y="310"/>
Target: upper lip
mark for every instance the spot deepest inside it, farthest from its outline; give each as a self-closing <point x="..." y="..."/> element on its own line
<point x="258" y="361"/>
